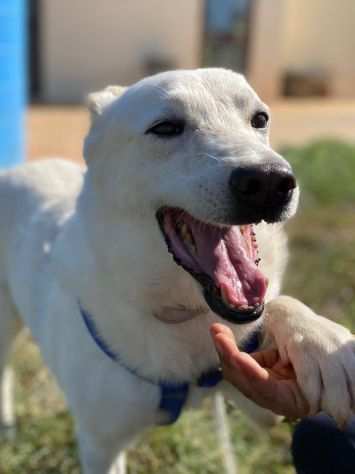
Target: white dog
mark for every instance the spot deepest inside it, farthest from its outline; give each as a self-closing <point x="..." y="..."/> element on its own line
<point x="119" y="271"/>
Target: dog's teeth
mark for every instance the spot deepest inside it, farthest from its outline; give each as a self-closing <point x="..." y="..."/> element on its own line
<point x="186" y="235"/>
<point x="224" y="296"/>
<point x="184" y="229"/>
<point x="193" y="247"/>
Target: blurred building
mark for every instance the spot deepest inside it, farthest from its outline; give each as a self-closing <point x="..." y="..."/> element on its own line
<point x="302" y="48"/>
<point x="82" y="45"/>
<point x="226" y="28"/>
<point x="286" y="47"/>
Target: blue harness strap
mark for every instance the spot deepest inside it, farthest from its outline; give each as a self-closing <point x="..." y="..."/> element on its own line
<point x="210" y="379"/>
<point x="172" y="399"/>
<point x="252" y="343"/>
<point x="91" y="327"/>
<point x="173" y="396"/>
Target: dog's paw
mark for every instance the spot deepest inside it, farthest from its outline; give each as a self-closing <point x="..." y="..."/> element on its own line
<point x="321" y="352"/>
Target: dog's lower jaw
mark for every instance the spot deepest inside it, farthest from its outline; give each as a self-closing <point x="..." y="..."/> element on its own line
<point x="232" y="315"/>
<point x="223" y="260"/>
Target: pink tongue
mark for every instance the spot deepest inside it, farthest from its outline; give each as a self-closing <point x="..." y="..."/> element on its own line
<point x="223" y="255"/>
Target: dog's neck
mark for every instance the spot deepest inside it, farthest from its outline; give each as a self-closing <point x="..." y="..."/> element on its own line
<point x="124" y="280"/>
<point x="121" y="271"/>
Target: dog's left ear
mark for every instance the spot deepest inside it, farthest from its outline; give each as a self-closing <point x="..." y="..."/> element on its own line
<point x="98" y="101"/>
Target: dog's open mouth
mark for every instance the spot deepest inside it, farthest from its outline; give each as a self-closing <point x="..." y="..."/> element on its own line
<point x="224" y="260"/>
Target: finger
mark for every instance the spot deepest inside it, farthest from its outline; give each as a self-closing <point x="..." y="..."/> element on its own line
<point x="218" y="328"/>
<point x="282" y="397"/>
<point x="242" y="371"/>
<point x="226" y="348"/>
<point x="242" y="384"/>
<point x="224" y="341"/>
<point x="255" y="382"/>
<point x="267" y="358"/>
<point x="232" y="357"/>
<point x="284" y="369"/>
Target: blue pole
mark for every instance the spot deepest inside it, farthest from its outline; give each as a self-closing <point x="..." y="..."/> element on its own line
<point x="12" y="81"/>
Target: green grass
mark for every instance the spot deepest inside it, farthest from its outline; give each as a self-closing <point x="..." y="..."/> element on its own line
<point x="321" y="272"/>
<point x="326" y="170"/>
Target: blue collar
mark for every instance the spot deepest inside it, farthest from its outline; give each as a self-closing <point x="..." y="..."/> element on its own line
<point x="173" y="396"/>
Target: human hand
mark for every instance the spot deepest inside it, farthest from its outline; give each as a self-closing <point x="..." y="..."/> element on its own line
<point x="261" y="376"/>
<point x="322" y="354"/>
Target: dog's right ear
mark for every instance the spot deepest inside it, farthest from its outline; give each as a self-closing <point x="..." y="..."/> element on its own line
<point x="98" y="101"/>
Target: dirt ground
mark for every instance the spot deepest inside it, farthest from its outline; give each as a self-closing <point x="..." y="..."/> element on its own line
<point x="55" y="131"/>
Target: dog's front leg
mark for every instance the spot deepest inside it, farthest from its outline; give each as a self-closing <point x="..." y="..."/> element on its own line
<point x="99" y="456"/>
<point x="321" y="352"/>
<point x="119" y="465"/>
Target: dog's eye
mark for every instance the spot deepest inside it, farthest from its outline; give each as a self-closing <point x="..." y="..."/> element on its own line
<point x="260" y="120"/>
<point x="168" y="128"/>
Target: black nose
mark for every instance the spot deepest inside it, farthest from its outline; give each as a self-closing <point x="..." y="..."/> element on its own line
<point x="264" y="187"/>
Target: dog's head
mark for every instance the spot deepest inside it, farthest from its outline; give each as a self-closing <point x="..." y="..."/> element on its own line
<point x="190" y="149"/>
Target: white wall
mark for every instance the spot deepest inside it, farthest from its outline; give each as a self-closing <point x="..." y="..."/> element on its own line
<point x="301" y="35"/>
<point x="87" y="44"/>
<point x="264" y="68"/>
<point x="320" y="34"/>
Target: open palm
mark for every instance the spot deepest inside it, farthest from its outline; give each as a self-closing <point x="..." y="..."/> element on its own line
<point x="260" y="376"/>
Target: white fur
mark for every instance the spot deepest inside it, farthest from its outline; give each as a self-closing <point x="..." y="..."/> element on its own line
<point x="322" y="354"/>
<point x="69" y="236"/>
